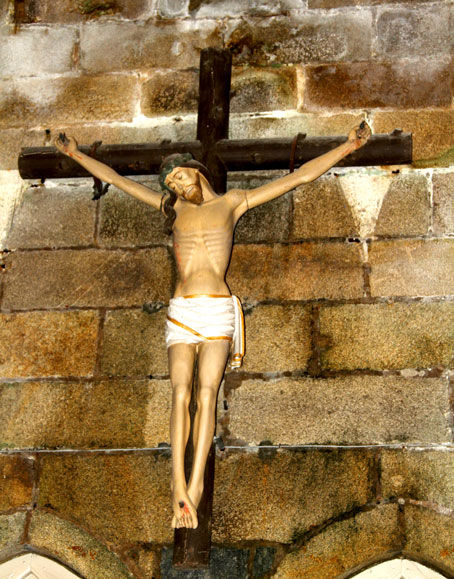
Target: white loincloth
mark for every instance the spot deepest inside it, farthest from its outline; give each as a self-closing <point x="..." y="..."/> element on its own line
<point x="195" y="319"/>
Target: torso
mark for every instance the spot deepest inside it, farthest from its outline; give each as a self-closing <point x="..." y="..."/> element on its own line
<point x="202" y="241"/>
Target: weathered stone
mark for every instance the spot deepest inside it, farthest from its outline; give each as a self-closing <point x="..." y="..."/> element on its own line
<point x="268" y="222"/>
<point x="11" y="529"/>
<point x="262" y="127"/>
<point x="388" y="336"/>
<point x="221" y="8"/>
<point x="263" y="560"/>
<point x="133" y="344"/>
<point x="75" y="547"/>
<point x="406" y="208"/>
<point x="224" y="563"/>
<point x="344" y="545"/>
<point x="370" y="85"/>
<point x="170" y="93"/>
<point x="286" y="331"/>
<point x="309" y="486"/>
<point x="125" y="221"/>
<point x="402" y="32"/>
<point x="429" y="535"/>
<point x="148" y="559"/>
<point x="321" y="210"/>
<point x="412" y="268"/>
<point x="48" y="344"/>
<point x="296" y="272"/>
<point x="307" y="37"/>
<point x="260" y="89"/>
<point x="73" y="11"/>
<point x="61" y="217"/>
<point x="443" y="188"/>
<point x="108" y="414"/>
<point x="419" y="475"/>
<point x="393" y="409"/>
<point x="16" y="482"/>
<point x="167" y="44"/>
<point x="57" y="101"/>
<point x="122" y="498"/>
<point x="432" y="133"/>
<point x="343" y="3"/>
<point x="31" y="52"/>
<point x="67" y="278"/>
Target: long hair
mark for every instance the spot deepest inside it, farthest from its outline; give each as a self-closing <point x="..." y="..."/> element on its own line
<point x="167" y="166"/>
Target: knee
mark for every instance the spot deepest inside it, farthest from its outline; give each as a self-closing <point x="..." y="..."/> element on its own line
<point x="206" y="397"/>
<point x="181" y="393"/>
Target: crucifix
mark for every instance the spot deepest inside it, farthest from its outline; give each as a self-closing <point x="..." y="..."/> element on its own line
<point x="204" y="322"/>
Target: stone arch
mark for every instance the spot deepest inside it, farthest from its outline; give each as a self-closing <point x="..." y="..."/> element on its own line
<point x="398" y="569"/>
<point x="34" y="566"/>
<point x="350" y="546"/>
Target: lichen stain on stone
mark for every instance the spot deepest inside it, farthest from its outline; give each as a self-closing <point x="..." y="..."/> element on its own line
<point x="95" y="9"/>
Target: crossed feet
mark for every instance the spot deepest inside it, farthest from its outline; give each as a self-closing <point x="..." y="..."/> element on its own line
<point x="184" y="504"/>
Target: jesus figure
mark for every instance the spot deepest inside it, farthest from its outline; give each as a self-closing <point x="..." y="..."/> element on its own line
<point x="204" y="319"/>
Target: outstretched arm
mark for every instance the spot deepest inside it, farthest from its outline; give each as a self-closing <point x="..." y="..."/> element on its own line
<point x="307" y="172"/>
<point x="68" y="146"/>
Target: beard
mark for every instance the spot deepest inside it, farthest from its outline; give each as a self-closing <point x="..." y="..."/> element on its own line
<point x="194" y="194"/>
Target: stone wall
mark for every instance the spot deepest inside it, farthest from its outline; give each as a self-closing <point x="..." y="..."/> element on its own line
<point x="338" y="429"/>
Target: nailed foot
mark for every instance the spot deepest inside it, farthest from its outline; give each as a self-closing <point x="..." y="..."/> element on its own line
<point x="184" y="511"/>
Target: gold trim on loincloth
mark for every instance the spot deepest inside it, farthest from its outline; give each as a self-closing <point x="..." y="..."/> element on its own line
<point x="176" y="322"/>
<point x="206" y="296"/>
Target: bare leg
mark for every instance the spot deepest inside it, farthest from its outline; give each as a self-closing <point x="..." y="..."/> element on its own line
<point x="212" y="359"/>
<point x="181" y="365"/>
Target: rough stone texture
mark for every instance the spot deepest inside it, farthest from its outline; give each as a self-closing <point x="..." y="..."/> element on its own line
<point x="412" y="268"/>
<point x="73" y="11"/>
<point x="406" y="208"/>
<point x="344" y="545"/>
<point x="120" y="498"/>
<point x="62" y="100"/>
<point x="321" y="210"/>
<point x="133" y="344"/>
<point x="224" y="564"/>
<point x="310" y="487"/>
<point x="148" y="559"/>
<point x="443" y="192"/>
<point x="47" y="217"/>
<point x="170" y="93"/>
<point x="262" y="127"/>
<point x="370" y="85"/>
<point x="108" y="414"/>
<point x="392" y="409"/>
<point x="343" y="3"/>
<point x="429" y="535"/>
<point x="16" y="482"/>
<point x="11" y="529"/>
<point x="21" y="54"/>
<point x="402" y="31"/>
<point x="301" y="39"/>
<point x="125" y="221"/>
<point x="388" y="336"/>
<point x="278" y="339"/>
<point x="258" y="89"/>
<point x="296" y="272"/>
<point x="419" y="475"/>
<point x="115" y="46"/>
<point x="431" y="129"/>
<point x="75" y="547"/>
<point x="48" y="344"/>
<point x="219" y="8"/>
<point x="67" y="278"/>
<point x="268" y="222"/>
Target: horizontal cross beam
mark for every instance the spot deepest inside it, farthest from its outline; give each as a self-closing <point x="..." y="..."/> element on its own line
<point x="236" y="155"/>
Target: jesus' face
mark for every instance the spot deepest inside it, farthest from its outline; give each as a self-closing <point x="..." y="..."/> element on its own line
<point x="185" y="181"/>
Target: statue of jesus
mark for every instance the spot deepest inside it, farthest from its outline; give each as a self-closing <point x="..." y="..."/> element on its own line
<point x="204" y="319"/>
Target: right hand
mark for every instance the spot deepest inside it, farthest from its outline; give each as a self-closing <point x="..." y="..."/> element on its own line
<point x="66" y="145"/>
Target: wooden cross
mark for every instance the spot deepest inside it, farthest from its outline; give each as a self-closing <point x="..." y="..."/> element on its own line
<point x="220" y="155"/>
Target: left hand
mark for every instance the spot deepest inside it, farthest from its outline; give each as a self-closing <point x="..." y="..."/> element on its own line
<point x="359" y="135"/>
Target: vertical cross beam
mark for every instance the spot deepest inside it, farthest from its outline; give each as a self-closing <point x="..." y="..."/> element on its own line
<point x="192" y="546"/>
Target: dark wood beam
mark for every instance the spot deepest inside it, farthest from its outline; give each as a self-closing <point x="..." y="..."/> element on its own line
<point x="235" y="155"/>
